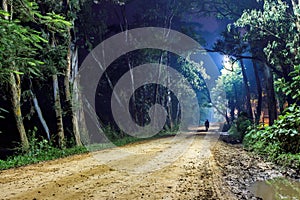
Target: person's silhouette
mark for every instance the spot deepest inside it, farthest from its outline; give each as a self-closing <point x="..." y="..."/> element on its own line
<point x="206" y="125"/>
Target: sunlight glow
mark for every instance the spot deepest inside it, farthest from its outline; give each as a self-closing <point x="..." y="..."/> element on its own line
<point x="227" y="64"/>
<point x="226" y="59"/>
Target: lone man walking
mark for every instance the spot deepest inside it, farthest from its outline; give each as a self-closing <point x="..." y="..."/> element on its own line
<point x="206" y="125"/>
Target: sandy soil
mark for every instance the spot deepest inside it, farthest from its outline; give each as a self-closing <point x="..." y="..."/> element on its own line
<point x="168" y="168"/>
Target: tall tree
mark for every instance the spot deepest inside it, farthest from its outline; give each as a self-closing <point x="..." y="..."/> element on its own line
<point x="15" y="58"/>
<point x="69" y="10"/>
<point x="232" y="45"/>
<point x="259" y="91"/>
<point x="272" y="31"/>
<point x="230" y="81"/>
<point x="63" y="38"/>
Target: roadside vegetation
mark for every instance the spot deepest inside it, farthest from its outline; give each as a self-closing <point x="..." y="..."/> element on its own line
<point x="40" y="149"/>
<point x="280" y="142"/>
<point x="271" y="39"/>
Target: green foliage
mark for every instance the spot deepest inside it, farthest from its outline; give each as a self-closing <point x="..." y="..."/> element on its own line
<point x="21" y="46"/>
<point x="279" y="142"/>
<point x="229" y="83"/>
<point x="37" y="146"/>
<point x="42" y="150"/>
<point x="18" y="48"/>
<point x="263" y="142"/>
<point x="39" y="150"/>
<point x="111" y="133"/>
<point x="292" y="87"/>
<point x="287" y="129"/>
<point x="231" y="79"/>
<point x="274" y="30"/>
<point x="120" y="139"/>
<point x="232" y="43"/>
<point x="284" y="132"/>
<point x="222" y="9"/>
<point x="54" y="27"/>
<point x="194" y="72"/>
<point x="240" y="127"/>
<point x="289" y="159"/>
<point x="51" y="154"/>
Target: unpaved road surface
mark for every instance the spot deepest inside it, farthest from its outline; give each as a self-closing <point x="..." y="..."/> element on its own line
<point x="155" y="169"/>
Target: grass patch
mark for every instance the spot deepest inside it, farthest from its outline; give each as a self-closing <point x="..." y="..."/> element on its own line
<point x="29" y="158"/>
<point x="42" y="150"/>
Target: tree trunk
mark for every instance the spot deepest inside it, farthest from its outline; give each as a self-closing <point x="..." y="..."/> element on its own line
<point x="68" y="80"/>
<point x="177" y="121"/>
<point x="259" y="93"/>
<point x="77" y="105"/>
<point x="71" y="60"/>
<point x="57" y="105"/>
<point x="224" y="114"/>
<point x="58" y="113"/>
<point x="272" y="108"/>
<point x="78" y="115"/>
<point x="15" y="88"/>
<point x="40" y="114"/>
<point x="169" y="96"/>
<point x="5" y="7"/>
<point x="157" y="88"/>
<point x="235" y="103"/>
<point x="77" y="112"/>
<point x="232" y="105"/>
<point x="227" y="118"/>
<point x="247" y="88"/>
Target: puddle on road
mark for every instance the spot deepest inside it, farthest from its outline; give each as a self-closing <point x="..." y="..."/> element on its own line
<point x="275" y="189"/>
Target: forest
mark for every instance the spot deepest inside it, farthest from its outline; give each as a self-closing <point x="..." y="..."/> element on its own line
<point x="44" y="45"/>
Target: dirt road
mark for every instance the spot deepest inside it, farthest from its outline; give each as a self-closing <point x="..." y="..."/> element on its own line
<point x="167" y="168"/>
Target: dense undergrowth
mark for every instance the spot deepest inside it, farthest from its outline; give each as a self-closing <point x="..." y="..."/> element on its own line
<point x="239" y="128"/>
<point x="280" y="142"/>
<point x="39" y="150"/>
<point x="43" y="150"/>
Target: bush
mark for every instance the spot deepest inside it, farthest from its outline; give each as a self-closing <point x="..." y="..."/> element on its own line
<point x="281" y="141"/>
<point x="39" y="150"/>
<point x="239" y="128"/>
<point x="285" y="132"/>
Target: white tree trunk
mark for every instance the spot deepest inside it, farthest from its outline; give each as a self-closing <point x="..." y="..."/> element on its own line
<point x="58" y="112"/>
<point x="77" y="110"/>
<point x="40" y="114"/>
